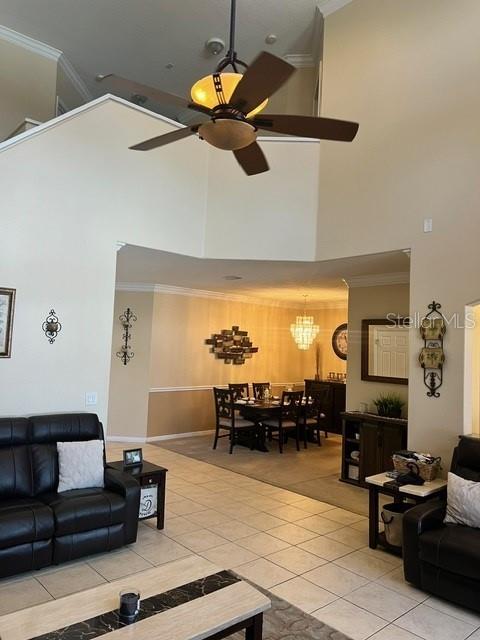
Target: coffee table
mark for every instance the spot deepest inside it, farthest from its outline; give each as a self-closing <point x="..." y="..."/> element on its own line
<point x="417" y="493"/>
<point x="190" y="599"/>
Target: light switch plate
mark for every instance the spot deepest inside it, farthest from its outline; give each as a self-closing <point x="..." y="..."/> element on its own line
<point x="427" y="225"/>
<point x="91" y="398"/>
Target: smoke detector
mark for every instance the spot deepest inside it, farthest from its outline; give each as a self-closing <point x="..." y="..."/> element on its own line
<point x="215" y="46"/>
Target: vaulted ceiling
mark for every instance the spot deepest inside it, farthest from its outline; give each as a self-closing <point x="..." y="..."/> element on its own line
<point x="160" y="42"/>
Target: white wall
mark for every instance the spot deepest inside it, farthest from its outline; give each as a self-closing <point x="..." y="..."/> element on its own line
<point x="404" y="70"/>
<point x="70" y="191"/>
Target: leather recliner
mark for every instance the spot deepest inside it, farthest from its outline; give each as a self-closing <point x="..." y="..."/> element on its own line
<point x="38" y="525"/>
<point x="444" y="559"/>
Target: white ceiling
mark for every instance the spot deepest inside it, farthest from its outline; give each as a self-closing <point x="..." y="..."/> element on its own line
<point x="138" y="38"/>
<point x="280" y="281"/>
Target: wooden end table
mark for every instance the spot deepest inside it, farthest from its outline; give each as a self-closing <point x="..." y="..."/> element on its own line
<point x="148" y="474"/>
<point x="418" y="493"/>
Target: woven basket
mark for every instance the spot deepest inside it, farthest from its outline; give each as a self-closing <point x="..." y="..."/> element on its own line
<point x="426" y="471"/>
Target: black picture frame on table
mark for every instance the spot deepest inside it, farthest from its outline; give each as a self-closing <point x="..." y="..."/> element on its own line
<point x="132" y="457"/>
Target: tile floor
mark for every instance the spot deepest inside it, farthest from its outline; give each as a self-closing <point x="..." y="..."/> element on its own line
<point x="307" y="552"/>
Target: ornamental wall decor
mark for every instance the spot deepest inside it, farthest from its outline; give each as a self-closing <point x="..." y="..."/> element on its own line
<point x="432" y="357"/>
<point x="231" y="345"/>
<point x="51" y="327"/>
<point x="125" y="353"/>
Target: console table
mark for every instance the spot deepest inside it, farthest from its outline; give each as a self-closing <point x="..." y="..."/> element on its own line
<point x="375" y="438"/>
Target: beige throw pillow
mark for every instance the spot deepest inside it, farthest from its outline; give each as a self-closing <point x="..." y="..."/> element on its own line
<point x="463" y="501"/>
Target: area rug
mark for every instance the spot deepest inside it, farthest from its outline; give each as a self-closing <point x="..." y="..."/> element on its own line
<point x="285" y="622"/>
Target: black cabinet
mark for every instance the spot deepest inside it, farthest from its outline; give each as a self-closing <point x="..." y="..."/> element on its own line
<point x="336" y="403"/>
<point x="369" y="442"/>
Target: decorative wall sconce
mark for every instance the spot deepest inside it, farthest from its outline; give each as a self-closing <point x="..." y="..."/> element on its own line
<point x="126" y="319"/>
<point x="432" y="357"/>
<point x="51" y="327"/>
<point x="232" y="345"/>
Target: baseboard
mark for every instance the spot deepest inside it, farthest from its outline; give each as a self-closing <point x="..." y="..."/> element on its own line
<point x="169" y="436"/>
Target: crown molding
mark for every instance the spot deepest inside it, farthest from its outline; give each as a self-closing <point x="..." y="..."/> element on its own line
<point x="377" y="280"/>
<point x="300" y="60"/>
<point x="330" y="6"/>
<point x="140" y="287"/>
<point x="31" y="44"/>
<point x="79" y="85"/>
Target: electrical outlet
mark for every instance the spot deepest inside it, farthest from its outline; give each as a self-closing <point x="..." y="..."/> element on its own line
<point x="91" y="398"/>
<point x="427" y="225"/>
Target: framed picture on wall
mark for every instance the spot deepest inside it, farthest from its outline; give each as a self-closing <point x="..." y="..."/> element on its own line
<point x="7" y="305"/>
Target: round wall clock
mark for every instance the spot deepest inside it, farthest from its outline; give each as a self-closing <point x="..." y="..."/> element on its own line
<point x="340" y="341"/>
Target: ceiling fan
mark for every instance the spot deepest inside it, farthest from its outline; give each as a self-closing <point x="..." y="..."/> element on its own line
<point x="232" y="102"/>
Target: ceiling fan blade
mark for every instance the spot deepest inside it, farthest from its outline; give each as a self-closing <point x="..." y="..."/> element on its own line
<point x="263" y="77"/>
<point x="161" y="97"/>
<point x="308" y="126"/>
<point x="252" y="159"/>
<point x="166" y="138"/>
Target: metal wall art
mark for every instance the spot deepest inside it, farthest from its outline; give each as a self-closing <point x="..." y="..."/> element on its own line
<point x="51" y="327"/>
<point x="232" y="345"/>
<point x="7" y="304"/>
<point x="432" y="357"/>
<point x="125" y="353"/>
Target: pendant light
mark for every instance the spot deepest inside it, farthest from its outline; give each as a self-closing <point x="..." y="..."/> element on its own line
<point x="217" y="88"/>
<point x="303" y="330"/>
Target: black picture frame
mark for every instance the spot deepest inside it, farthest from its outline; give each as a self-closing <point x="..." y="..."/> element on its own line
<point x="7" y="309"/>
<point x="132" y="457"/>
<point x="338" y="330"/>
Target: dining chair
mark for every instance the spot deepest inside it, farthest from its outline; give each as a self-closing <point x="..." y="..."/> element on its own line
<point x="314" y="414"/>
<point x="227" y="419"/>
<point x="259" y="389"/>
<point x="240" y="390"/>
<point x="288" y="418"/>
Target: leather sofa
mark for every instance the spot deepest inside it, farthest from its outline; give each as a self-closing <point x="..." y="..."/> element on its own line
<point x="40" y="527"/>
<point x="444" y="559"/>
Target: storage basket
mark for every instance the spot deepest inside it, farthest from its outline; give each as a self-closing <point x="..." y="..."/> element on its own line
<point x="426" y="471"/>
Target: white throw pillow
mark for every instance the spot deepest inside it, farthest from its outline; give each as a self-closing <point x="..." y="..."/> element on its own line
<point x="463" y="501"/>
<point x="80" y="465"/>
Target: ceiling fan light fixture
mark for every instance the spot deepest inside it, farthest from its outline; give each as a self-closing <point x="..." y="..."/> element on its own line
<point x="227" y="133"/>
<point x="203" y="91"/>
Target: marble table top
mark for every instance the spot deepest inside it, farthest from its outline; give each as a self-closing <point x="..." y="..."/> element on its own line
<point x="189" y="599"/>
<point x="422" y="491"/>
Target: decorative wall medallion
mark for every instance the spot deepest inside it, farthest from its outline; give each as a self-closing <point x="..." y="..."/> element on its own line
<point x="340" y="341"/>
<point x="51" y="327"/>
<point x="125" y="353"/>
<point x="231" y="345"/>
<point x="7" y="304"/>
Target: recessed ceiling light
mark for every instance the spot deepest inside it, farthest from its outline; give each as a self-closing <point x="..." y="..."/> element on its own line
<point x="232" y="277"/>
<point x="271" y="38"/>
<point x="169" y="65"/>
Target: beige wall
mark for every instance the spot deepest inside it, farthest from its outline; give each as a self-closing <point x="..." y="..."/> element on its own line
<point x="128" y="398"/>
<point x="180" y="357"/>
<point x="28" y="83"/>
<point x="404" y="71"/>
<point x="172" y="365"/>
<point x="472" y="372"/>
<point x="371" y="303"/>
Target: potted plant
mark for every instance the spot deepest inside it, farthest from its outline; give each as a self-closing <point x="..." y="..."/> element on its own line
<point x="389" y="405"/>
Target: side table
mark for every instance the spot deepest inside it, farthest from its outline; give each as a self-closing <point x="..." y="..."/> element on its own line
<point x="148" y="474"/>
<point x="418" y="493"/>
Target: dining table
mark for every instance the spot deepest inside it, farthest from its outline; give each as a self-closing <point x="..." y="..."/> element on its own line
<point x="255" y="410"/>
